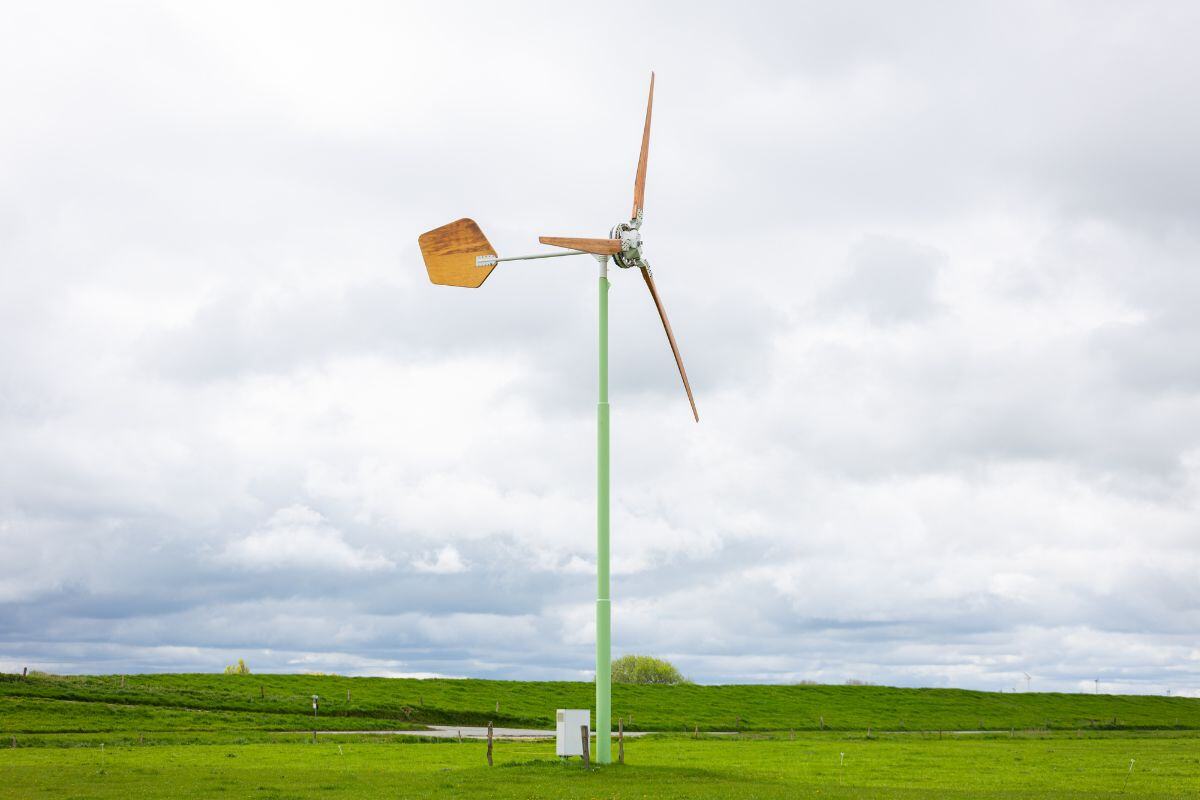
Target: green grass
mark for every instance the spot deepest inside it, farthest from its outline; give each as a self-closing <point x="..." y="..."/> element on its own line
<point x="204" y="736"/>
<point x="282" y="702"/>
<point x="813" y="765"/>
<point x="40" y="715"/>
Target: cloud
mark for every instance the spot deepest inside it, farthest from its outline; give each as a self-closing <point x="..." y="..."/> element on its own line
<point x="298" y="538"/>
<point x="444" y="562"/>
<point x="889" y="280"/>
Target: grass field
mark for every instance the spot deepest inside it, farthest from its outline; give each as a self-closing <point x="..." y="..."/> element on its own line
<point x="203" y="736"/>
<point x="817" y="765"/>
<point x="280" y="702"/>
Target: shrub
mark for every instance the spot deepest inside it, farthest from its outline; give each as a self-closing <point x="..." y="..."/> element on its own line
<point x="645" y="669"/>
<point x="239" y="668"/>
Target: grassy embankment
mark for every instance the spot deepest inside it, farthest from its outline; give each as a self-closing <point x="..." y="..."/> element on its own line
<point x="282" y="702"/>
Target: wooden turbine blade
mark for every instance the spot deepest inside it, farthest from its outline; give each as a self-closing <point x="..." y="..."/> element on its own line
<point x="450" y="252"/>
<point x="600" y="247"/>
<point x="639" y="182"/>
<point x="662" y="314"/>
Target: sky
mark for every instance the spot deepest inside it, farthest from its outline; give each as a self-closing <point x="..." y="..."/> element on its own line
<point x="932" y="269"/>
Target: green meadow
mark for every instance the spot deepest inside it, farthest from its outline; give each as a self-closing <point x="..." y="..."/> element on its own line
<point x="203" y="736"/>
<point x="282" y="702"/>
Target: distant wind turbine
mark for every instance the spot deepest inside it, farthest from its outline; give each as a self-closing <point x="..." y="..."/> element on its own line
<point x="1028" y="678"/>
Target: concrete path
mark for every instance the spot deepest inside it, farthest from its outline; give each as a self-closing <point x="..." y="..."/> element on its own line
<point x="466" y="732"/>
<point x="473" y="732"/>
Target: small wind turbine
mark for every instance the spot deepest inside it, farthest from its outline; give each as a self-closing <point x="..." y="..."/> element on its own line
<point x="458" y="254"/>
<point x="1028" y="678"/>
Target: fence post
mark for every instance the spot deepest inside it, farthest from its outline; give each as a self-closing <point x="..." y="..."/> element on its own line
<point x="583" y="731"/>
<point x="621" y="741"/>
<point x="489" y="754"/>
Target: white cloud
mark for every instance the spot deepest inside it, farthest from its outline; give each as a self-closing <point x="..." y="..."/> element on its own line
<point x="299" y="538"/>
<point x="446" y="561"/>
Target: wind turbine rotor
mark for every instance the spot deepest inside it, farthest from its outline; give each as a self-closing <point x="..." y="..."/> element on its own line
<point x="459" y="254"/>
<point x="631" y="246"/>
<point x="625" y="246"/>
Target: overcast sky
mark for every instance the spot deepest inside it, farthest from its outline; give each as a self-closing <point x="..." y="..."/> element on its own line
<point x="934" y="270"/>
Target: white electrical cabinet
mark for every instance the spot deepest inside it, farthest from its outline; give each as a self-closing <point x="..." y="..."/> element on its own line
<point x="568" y="730"/>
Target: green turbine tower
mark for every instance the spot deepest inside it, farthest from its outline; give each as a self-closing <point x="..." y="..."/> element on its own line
<point x="458" y="254"/>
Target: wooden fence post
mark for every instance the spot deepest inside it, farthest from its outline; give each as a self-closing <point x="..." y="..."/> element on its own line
<point x="347" y="697"/>
<point x="620" y="741"/>
<point x="489" y="754"/>
<point x="583" y="731"/>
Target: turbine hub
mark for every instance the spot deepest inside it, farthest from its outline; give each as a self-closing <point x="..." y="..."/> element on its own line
<point x="631" y="245"/>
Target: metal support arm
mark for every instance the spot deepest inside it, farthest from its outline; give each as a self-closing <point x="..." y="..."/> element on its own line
<point x="491" y="261"/>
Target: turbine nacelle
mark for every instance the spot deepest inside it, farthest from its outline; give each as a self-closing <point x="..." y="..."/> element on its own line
<point x="631" y="245"/>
